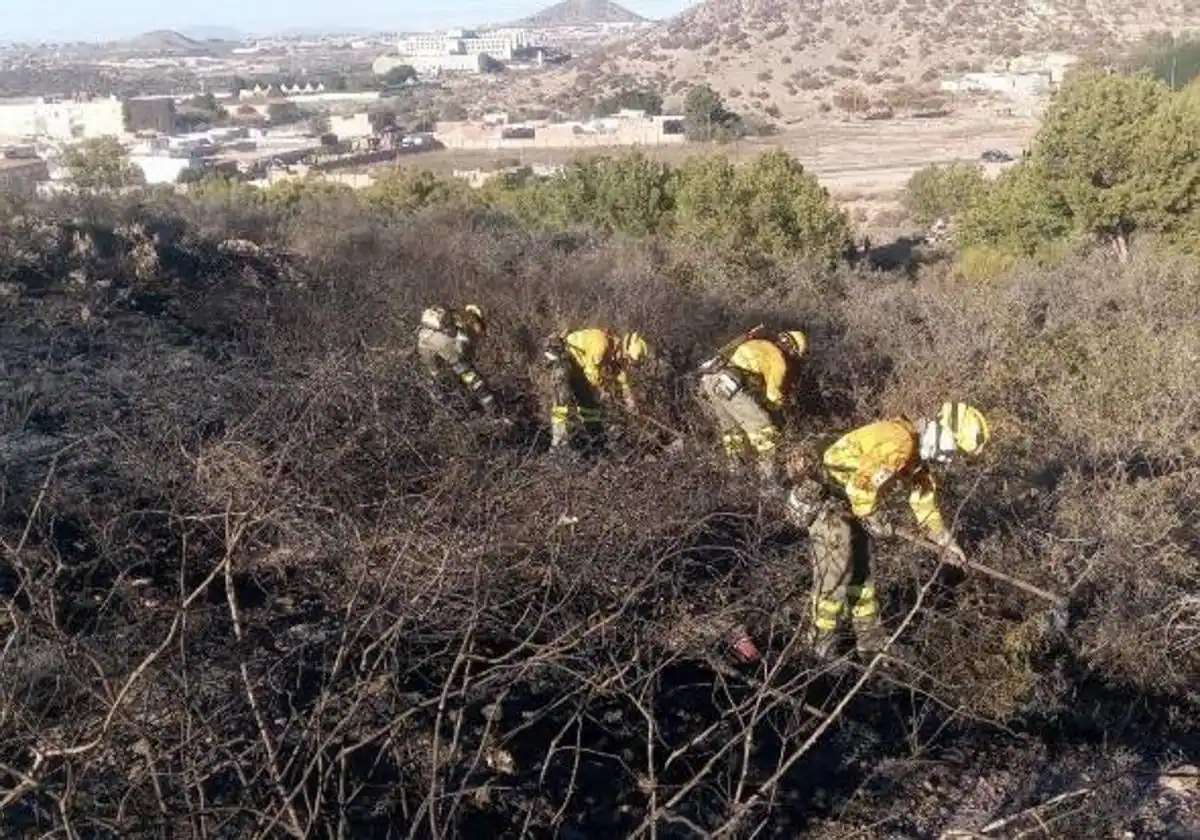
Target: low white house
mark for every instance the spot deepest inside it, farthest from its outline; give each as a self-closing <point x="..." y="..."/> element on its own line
<point x="1013" y="84"/>
<point x="354" y="125"/>
<point x="163" y="169"/>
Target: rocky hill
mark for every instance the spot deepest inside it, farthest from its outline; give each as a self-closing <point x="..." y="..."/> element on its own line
<point x="581" y="13"/>
<point x="164" y="42"/>
<point x="759" y="53"/>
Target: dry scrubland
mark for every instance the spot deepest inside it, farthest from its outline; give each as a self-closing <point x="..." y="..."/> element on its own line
<point x="784" y="57"/>
<point x="258" y="583"/>
<point x="787" y="54"/>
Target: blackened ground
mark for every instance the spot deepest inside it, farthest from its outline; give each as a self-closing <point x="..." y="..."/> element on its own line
<point x="260" y="580"/>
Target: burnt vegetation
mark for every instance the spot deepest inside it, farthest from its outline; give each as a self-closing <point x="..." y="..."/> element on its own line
<point x="257" y="581"/>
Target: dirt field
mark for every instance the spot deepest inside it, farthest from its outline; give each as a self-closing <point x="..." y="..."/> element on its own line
<point x="856" y="160"/>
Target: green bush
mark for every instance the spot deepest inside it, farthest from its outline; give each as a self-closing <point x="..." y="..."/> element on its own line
<point x="1116" y="156"/>
<point x="943" y="191"/>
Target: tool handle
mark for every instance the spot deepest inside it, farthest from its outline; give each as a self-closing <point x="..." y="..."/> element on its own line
<point x="1023" y="585"/>
<point x="732" y="345"/>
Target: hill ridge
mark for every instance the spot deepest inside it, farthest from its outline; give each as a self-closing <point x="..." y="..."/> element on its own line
<point x="791" y="53"/>
<point x="581" y="12"/>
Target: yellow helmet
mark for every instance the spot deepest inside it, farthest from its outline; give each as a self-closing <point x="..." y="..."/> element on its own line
<point x="634" y="347"/>
<point x="967" y="424"/>
<point x="794" y="341"/>
<point x="475" y="311"/>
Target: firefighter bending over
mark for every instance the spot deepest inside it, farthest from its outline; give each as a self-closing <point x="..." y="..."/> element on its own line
<point x="859" y="471"/>
<point x="586" y="368"/>
<point x="743" y="387"/>
<point x="446" y="341"/>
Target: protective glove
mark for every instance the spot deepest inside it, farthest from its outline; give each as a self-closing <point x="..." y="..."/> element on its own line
<point x="955" y="556"/>
<point x="952" y="552"/>
<point x="878" y="526"/>
<point x="803" y="503"/>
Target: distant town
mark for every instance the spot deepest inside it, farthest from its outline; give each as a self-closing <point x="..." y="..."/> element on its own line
<point x="260" y="109"/>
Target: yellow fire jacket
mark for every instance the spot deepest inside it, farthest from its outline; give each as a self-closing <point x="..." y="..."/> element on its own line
<point x="593" y="349"/>
<point x="869" y="462"/>
<point x="763" y="358"/>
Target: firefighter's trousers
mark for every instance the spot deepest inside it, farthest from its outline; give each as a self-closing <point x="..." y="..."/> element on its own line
<point x="571" y="394"/>
<point x="439" y="351"/>
<point x="744" y="425"/>
<point x="842" y="580"/>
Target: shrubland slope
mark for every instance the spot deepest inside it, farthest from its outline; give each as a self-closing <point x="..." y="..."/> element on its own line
<point x="256" y="578"/>
<point x="789" y="53"/>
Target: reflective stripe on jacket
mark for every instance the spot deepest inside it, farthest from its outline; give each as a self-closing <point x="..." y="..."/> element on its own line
<point x="594" y="350"/>
<point x="763" y="358"/>
<point x="871" y="460"/>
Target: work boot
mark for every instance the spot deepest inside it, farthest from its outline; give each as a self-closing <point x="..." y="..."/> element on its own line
<point x="564" y="454"/>
<point x="870" y="637"/>
<point x="822" y="642"/>
<point x="559" y="437"/>
<point x="768" y="470"/>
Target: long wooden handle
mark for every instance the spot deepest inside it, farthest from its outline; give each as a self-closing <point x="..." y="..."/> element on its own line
<point x="1023" y="585"/>
<point x="659" y="425"/>
<point x="733" y="344"/>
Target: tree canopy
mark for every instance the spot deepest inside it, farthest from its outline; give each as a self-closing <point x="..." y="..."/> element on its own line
<point x="100" y="163"/>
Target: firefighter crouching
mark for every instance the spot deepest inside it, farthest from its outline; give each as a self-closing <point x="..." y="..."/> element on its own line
<point x="446" y="340"/>
<point x="839" y="502"/>
<point x="587" y="367"/>
<point x="743" y="388"/>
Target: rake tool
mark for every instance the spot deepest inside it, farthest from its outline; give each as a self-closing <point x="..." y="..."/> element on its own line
<point x="1058" y="602"/>
<point x="729" y="347"/>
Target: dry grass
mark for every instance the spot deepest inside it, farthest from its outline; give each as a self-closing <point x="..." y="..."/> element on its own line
<point x="790" y="57"/>
<point x="260" y="584"/>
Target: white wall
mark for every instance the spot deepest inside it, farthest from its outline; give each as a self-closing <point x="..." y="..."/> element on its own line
<point x="356" y="125"/>
<point x="159" y="169"/>
<point x="64" y="120"/>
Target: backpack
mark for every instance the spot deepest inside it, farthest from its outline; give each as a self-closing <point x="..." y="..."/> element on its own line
<point x="436" y="318"/>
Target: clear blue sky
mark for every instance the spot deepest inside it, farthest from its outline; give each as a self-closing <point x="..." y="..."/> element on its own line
<point x="22" y="20"/>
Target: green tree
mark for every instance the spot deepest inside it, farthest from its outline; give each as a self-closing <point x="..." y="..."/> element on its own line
<point x="943" y="191"/>
<point x="706" y="117"/>
<point x="1020" y="213"/>
<point x="636" y="100"/>
<point x="767" y="209"/>
<point x="1167" y="163"/>
<point x="290" y="193"/>
<point x="99" y="164"/>
<point x="1175" y="61"/>
<point x="399" y="75"/>
<point x="1087" y="148"/>
<point x="629" y="193"/>
<point x="407" y="191"/>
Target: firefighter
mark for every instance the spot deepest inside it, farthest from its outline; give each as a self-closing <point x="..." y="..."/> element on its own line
<point x="742" y="390"/>
<point x="587" y="368"/>
<point x="856" y="473"/>
<point x="446" y="341"/>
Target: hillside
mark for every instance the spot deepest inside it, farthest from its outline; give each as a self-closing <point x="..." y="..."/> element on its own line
<point x="581" y="13"/>
<point x="792" y="52"/>
<point x="163" y="42"/>
<point x="245" y="539"/>
<point x="261" y="577"/>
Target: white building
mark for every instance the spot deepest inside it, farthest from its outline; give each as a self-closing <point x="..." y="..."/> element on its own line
<point x="1013" y="84"/>
<point x="430" y="65"/>
<point x="501" y="44"/>
<point x="163" y="169"/>
<point x="63" y="119"/>
<point x="354" y="125"/>
<point x="455" y="51"/>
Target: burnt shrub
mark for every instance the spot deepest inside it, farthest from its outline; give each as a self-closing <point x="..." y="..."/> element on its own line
<point x="259" y="578"/>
